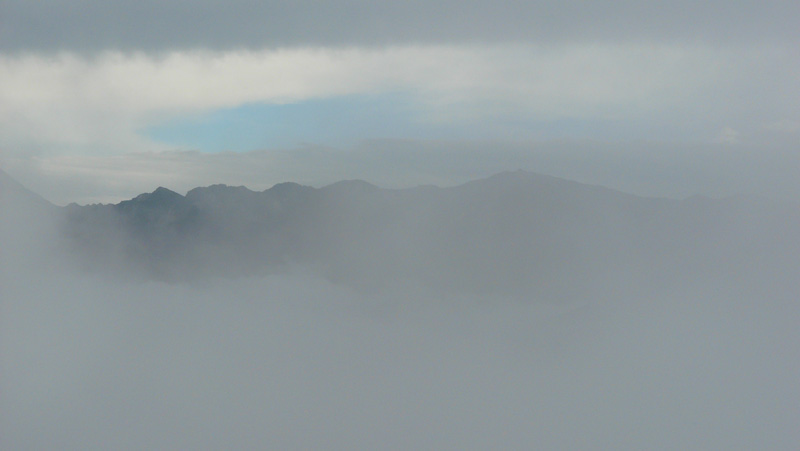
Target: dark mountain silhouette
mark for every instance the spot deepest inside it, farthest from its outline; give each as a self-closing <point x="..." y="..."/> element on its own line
<point x="513" y="233"/>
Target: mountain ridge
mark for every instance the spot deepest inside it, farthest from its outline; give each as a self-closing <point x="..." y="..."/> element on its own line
<point x="515" y="233"/>
<point x="504" y="177"/>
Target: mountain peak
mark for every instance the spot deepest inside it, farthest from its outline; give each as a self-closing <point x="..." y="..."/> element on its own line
<point x="286" y="186"/>
<point x="161" y="196"/>
<point x="162" y="193"/>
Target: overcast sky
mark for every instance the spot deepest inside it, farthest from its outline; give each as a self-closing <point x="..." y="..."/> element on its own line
<point x="99" y="81"/>
<point x="101" y="100"/>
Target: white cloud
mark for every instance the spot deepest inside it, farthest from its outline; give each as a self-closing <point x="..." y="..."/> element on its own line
<point x="96" y="105"/>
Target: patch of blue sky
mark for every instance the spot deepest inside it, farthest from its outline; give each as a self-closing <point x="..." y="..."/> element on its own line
<point x="336" y="121"/>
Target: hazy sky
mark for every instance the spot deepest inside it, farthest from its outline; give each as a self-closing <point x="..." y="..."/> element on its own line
<point x="97" y="80"/>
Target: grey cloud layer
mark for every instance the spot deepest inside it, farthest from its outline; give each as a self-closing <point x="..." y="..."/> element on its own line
<point x="157" y="25"/>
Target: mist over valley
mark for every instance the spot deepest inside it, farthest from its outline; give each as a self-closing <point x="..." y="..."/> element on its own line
<point x="517" y="310"/>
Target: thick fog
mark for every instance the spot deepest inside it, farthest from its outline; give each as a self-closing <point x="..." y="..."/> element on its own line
<point x="675" y="329"/>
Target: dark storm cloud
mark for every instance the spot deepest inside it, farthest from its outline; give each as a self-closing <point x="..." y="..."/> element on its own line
<point x="92" y="25"/>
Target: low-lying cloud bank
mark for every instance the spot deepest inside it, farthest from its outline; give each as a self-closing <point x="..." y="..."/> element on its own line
<point x="293" y="360"/>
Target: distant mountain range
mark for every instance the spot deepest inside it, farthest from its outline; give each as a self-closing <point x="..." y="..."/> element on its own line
<point x="515" y="233"/>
